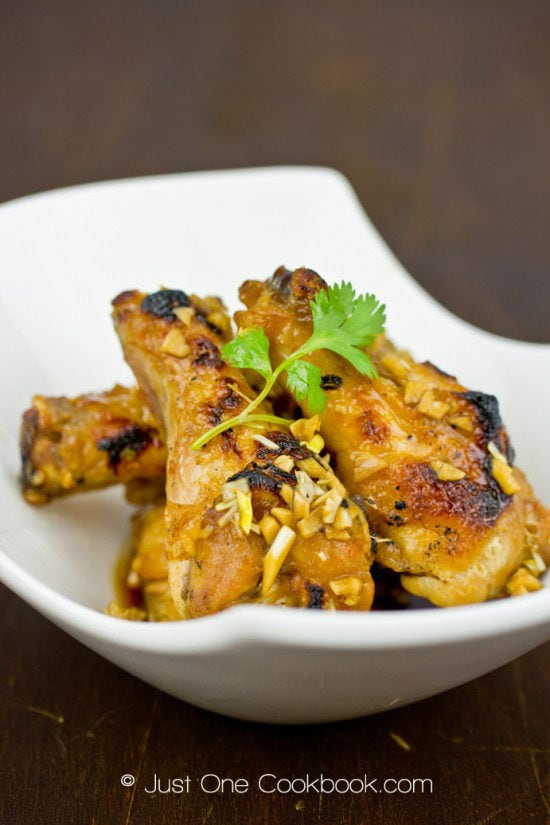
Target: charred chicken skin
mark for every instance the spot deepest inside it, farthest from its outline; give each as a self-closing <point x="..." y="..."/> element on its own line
<point x="430" y="459"/>
<point x="255" y="515"/>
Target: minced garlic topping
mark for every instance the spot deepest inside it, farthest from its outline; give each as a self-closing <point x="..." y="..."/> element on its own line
<point x="313" y="501"/>
<point x="502" y="472"/>
<point x="445" y="471"/>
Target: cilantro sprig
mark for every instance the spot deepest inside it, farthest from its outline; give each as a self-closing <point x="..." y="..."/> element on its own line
<point x="342" y="322"/>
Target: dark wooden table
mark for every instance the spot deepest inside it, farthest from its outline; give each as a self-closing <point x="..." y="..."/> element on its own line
<point x="439" y="113"/>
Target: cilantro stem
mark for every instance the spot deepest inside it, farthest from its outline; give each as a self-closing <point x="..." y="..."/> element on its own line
<point x="237" y="420"/>
<point x="245" y="416"/>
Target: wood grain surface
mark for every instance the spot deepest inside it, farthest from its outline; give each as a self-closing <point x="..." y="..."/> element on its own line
<point x="439" y="113"/>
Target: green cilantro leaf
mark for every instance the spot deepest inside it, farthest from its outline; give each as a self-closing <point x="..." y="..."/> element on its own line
<point x="365" y="322"/>
<point x="304" y="382"/>
<point x="249" y="350"/>
<point x="332" y="306"/>
<point x="359" y="359"/>
<point x="346" y="325"/>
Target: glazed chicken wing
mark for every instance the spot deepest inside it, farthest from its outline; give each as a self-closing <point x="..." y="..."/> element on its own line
<point x="90" y="442"/>
<point x="255" y="515"/>
<point x="98" y="439"/>
<point x="430" y="459"/>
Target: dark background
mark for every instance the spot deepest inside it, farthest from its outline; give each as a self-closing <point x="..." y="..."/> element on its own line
<point x="439" y="113"/>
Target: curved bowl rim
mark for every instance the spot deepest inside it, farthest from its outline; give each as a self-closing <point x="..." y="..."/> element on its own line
<point x="263" y="624"/>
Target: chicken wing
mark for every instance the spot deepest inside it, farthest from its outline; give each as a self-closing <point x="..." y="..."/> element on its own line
<point x="255" y="515"/>
<point x="431" y="460"/>
<point x="90" y="442"/>
<point x="98" y="439"/>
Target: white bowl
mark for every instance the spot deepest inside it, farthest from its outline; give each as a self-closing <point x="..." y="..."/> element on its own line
<point x="63" y="256"/>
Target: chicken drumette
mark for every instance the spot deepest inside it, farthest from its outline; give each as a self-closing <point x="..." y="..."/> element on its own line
<point x="430" y="459"/>
<point x="256" y="514"/>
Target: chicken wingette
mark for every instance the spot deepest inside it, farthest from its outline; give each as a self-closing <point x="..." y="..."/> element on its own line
<point x="90" y="442"/>
<point x="98" y="439"/>
<point x="256" y="514"/>
<point x="430" y="459"/>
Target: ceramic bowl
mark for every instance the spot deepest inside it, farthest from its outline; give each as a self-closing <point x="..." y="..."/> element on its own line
<point x="63" y="256"/>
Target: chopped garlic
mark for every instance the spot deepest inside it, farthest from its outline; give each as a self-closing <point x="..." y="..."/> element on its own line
<point x="502" y="472"/>
<point x="175" y="344"/>
<point x="312" y="467"/>
<point x="185" y="314"/>
<point x="445" y="471"/>
<point x="300" y="506"/>
<point x="322" y="485"/>
<point x="283" y="515"/>
<point x="220" y="320"/>
<point x="535" y="564"/>
<point x="230" y="487"/>
<point x="414" y="390"/>
<point x="267" y="442"/>
<point x="429" y="405"/>
<point x="342" y="519"/>
<point x="338" y="487"/>
<point x="316" y="444"/>
<point x="287" y="494"/>
<point x="320" y="500"/>
<point x="224" y="505"/>
<point x="348" y="586"/>
<point x="305" y="428"/>
<point x="312" y="524"/>
<point x="306" y="486"/>
<point x="330" y="506"/>
<point x="522" y="582"/>
<point x="285" y="463"/>
<point x="269" y="527"/>
<point x="395" y="365"/>
<point x="275" y="557"/>
<point x="462" y="422"/>
<point x="244" y="502"/>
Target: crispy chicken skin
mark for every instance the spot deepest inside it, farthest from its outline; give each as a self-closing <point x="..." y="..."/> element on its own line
<point x="414" y="445"/>
<point x="90" y="442"/>
<point x="216" y="549"/>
